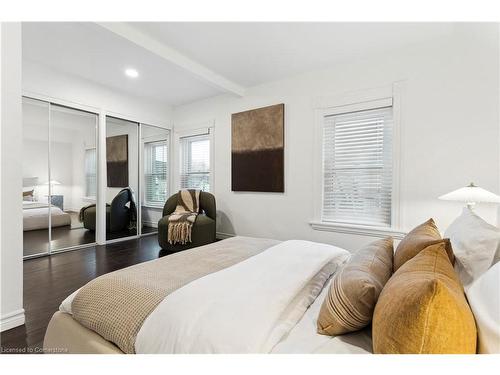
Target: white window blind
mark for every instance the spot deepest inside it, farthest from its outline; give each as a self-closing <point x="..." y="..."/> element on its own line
<point x="195" y="162"/>
<point x="90" y="173"/>
<point x="357" y="167"/>
<point x="156" y="172"/>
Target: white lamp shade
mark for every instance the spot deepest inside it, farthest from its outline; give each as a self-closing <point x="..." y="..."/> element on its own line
<point x="52" y="182"/>
<point x="471" y="194"/>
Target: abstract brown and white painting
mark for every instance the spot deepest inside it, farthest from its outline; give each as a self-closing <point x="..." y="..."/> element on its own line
<point x="257" y="149"/>
<point x="117" y="160"/>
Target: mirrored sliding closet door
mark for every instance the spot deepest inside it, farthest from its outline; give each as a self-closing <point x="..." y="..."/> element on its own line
<point x="122" y="178"/>
<point x="59" y="177"/>
<point x="73" y="171"/>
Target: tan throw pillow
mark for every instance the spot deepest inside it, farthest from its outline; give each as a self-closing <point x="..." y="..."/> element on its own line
<point x="353" y="292"/>
<point x="418" y="239"/>
<point x="28" y="195"/>
<point x="423" y="310"/>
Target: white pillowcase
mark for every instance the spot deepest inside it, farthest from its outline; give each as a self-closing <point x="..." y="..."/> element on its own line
<point x="476" y="245"/>
<point x="484" y="300"/>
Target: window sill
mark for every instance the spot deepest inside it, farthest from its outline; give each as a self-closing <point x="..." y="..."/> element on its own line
<point x="360" y="230"/>
<point x="151" y="205"/>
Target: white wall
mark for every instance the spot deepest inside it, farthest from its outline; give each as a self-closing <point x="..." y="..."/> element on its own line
<point x="449" y="134"/>
<point x="39" y="79"/>
<point x="11" y="240"/>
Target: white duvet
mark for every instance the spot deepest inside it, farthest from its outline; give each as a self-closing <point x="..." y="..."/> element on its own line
<point x="247" y="308"/>
<point x="36" y="216"/>
<point x="255" y="306"/>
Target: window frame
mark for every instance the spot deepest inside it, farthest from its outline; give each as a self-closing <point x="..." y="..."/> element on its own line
<point x="206" y="128"/>
<point x="351" y="102"/>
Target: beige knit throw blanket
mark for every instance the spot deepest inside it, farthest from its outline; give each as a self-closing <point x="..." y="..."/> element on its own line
<point x="181" y="221"/>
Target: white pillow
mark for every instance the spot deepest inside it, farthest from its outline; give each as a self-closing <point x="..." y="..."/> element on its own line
<point x="476" y="245"/>
<point x="484" y="300"/>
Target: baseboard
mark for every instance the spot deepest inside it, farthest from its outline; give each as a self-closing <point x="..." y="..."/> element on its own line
<point x="223" y="236"/>
<point x="151" y="224"/>
<point x="12" y="320"/>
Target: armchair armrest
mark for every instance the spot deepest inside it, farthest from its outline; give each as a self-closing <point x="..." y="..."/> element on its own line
<point x="170" y="205"/>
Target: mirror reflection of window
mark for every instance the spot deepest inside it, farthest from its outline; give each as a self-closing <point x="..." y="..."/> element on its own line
<point x="156" y="172"/>
<point x="91" y="173"/>
<point x="155" y="180"/>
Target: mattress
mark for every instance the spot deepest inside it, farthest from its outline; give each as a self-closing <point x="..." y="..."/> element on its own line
<point x="36" y="216"/>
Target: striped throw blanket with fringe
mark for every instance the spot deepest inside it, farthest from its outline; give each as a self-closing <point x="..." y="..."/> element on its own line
<point x="180" y="222"/>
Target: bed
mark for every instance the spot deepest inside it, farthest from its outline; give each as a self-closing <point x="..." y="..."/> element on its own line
<point x="239" y="295"/>
<point x="254" y="295"/>
<point x="36" y="216"/>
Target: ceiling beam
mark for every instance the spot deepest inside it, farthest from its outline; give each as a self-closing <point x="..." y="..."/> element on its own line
<point x="173" y="56"/>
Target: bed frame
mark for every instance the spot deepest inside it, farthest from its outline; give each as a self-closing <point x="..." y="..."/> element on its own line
<point x="65" y="335"/>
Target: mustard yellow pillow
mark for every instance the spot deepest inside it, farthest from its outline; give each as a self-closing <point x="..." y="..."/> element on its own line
<point x="418" y="239"/>
<point x="423" y="309"/>
<point x="354" y="291"/>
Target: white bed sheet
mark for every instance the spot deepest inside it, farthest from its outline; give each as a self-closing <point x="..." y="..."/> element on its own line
<point x="36" y="216"/>
<point x="303" y="338"/>
<point x="245" y="308"/>
<point x="27" y="205"/>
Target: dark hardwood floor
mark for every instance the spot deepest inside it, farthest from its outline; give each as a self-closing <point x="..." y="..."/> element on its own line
<point x="37" y="241"/>
<point x="49" y="280"/>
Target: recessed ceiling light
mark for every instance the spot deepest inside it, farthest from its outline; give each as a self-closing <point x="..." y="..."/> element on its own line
<point x="132" y="73"/>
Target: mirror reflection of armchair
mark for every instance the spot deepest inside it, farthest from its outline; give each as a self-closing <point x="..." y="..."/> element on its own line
<point x="117" y="213"/>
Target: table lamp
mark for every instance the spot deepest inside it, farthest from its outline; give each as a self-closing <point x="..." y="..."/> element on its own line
<point x="52" y="183"/>
<point x="471" y="194"/>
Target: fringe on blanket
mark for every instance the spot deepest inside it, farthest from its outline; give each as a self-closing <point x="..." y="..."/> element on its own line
<point x="179" y="232"/>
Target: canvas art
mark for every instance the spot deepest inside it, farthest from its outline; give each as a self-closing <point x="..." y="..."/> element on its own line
<point x="117" y="160"/>
<point x="257" y="149"/>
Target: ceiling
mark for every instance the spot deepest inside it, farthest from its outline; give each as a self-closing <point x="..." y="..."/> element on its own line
<point x="245" y="54"/>
<point x="92" y="52"/>
<point x="254" y="53"/>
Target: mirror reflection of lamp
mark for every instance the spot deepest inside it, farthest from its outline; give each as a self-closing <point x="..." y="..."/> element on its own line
<point x="52" y="183"/>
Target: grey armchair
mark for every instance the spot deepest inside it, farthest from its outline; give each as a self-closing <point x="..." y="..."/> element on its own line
<point x="203" y="231"/>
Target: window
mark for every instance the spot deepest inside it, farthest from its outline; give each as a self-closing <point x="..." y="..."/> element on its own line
<point x="90" y="173"/>
<point x="195" y="162"/>
<point x="357" y="167"/>
<point x="156" y="172"/>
